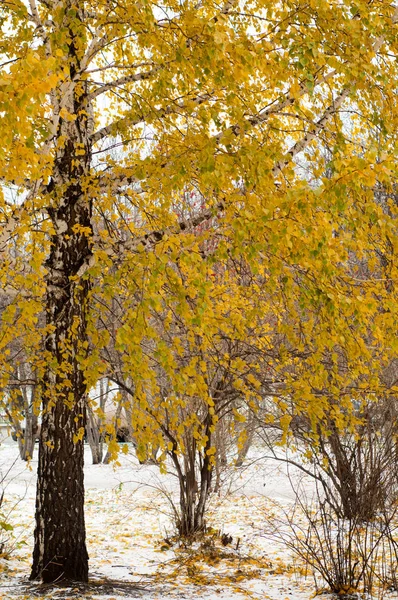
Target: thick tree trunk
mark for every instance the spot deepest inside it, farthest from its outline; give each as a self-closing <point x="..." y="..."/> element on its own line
<point x="60" y="548"/>
<point x="60" y="540"/>
<point x="60" y="544"/>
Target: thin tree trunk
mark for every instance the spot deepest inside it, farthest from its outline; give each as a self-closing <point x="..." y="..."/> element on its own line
<point x="117" y="417"/>
<point x="206" y="474"/>
<point x="250" y="430"/>
<point x="221" y="455"/>
<point x="94" y="436"/>
<point x="17" y="432"/>
<point x="194" y="485"/>
<point x="95" y="433"/>
<point x="29" y="437"/>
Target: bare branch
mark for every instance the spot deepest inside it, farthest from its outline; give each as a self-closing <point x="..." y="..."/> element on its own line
<point x="122" y="81"/>
<point x="98" y="43"/>
<point x="120" y="66"/>
<point x="149" y="240"/>
<point x="35" y="13"/>
<point x="312" y="134"/>
<point x="112" y="128"/>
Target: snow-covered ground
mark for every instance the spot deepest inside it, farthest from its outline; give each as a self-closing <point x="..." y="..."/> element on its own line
<point x="128" y="520"/>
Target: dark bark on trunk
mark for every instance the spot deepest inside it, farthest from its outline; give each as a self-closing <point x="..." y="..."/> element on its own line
<point x="206" y="474"/>
<point x="60" y="548"/>
<point x="60" y="539"/>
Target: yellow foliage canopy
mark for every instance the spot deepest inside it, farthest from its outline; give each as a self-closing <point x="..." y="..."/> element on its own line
<point x="237" y="162"/>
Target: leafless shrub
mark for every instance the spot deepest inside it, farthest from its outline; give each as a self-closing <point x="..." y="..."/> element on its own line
<point x="8" y="540"/>
<point x="348" y="555"/>
<point x="356" y="466"/>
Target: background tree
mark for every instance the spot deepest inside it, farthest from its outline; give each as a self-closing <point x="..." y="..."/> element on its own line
<point x="21" y="400"/>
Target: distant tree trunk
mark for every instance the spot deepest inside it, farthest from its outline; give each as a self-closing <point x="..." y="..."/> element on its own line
<point x="95" y="435"/>
<point x="25" y="436"/>
<point x="250" y="431"/>
<point x="222" y="434"/>
<point x="17" y="432"/>
<point x="117" y="417"/>
<point x="60" y="538"/>
<point x="29" y="436"/>
<point x="146" y="453"/>
<point x="31" y="426"/>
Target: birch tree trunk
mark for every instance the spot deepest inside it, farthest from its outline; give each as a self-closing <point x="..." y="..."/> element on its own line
<point x="31" y="421"/>
<point x="60" y="544"/>
<point x="94" y="436"/>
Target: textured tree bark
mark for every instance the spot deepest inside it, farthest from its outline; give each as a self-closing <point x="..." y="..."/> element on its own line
<point x="60" y="549"/>
<point x="60" y="544"/>
<point x="206" y="474"/>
